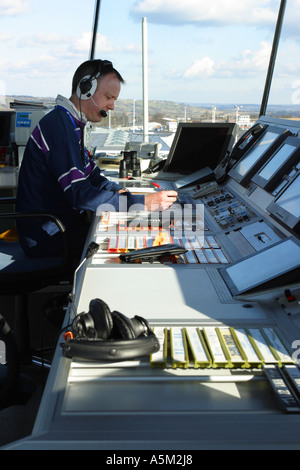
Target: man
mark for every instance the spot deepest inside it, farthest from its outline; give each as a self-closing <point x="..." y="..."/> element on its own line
<point x="58" y="177"/>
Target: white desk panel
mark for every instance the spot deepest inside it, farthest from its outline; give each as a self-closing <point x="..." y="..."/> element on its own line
<point x="163" y="293"/>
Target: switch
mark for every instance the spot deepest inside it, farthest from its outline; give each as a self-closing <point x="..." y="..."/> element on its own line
<point x="289" y="296"/>
<point x="262" y="237"/>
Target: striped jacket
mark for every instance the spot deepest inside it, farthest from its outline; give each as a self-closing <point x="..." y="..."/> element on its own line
<point x="53" y="179"/>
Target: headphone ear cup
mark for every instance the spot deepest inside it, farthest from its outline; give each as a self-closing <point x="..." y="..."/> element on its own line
<point x="86" y="87"/>
<point x="126" y="328"/>
<point x="83" y="326"/>
<point x="122" y="328"/>
<point x="102" y="317"/>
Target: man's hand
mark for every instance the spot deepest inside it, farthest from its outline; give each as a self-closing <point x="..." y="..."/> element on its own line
<point x="160" y="200"/>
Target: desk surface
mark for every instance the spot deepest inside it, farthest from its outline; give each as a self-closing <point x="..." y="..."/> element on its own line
<point x="207" y="389"/>
<point x="132" y="405"/>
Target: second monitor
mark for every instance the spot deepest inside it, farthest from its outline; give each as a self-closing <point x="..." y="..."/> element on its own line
<point x="199" y="145"/>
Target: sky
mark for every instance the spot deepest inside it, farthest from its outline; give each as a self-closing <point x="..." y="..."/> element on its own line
<point x="199" y="51"/>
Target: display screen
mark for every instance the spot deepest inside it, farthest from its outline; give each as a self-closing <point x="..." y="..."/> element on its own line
<point x="199" y="145"/>
<point x="264" y="266"/>
<point x="255" y="153"/>
<point x="5" y="120"/>
<point x="290" y="199"/>
<point x="280" y="157"/>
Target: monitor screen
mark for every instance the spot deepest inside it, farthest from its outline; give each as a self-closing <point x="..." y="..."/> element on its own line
<point x="278" y="159"/>
<point x="286" y="207"/>
<point x="258" y="154"/>
<point x="279" y="164"/>
<point x="290" y="199"/>
<point x="275" y="266"/>
<point x="199" y="145"/>
<point x="5" y="123"/>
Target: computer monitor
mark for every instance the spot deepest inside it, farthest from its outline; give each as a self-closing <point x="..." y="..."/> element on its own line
<point x="199" y="145"/>
<point x="258" y="154"/>
<point x="5" y="128"/>
<point x="280" y="163"/>
<point x="275" y="266"/>
<point x="286" y="207"/>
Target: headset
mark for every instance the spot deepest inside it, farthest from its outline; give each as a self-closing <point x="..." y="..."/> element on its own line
<point x="103" y="335"/>
<point x="86" y="89"/>
<point x="88" y="84"/>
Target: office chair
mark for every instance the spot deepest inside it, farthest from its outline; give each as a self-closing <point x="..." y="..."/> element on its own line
<point x="9" y="373"/>
<point x="21" y="276"/>
<point x="16" y="388"/>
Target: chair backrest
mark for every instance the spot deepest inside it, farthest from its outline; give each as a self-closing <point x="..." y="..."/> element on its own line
<point x="9" y="374"/>
<point x="18" y="273"/>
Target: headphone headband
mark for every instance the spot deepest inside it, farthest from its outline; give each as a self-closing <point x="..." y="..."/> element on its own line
<point x="111" y="350"/>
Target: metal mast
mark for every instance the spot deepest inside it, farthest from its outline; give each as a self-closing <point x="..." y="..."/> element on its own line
<point x="265" y="98"/>
<point x="145" y="77"/>
<point x="96" y="17"/>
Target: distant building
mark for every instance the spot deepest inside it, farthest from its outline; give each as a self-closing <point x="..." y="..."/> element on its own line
<point x="171" y="124"/>
<point x="103" y="141"/>
<point x="244" y="121"/>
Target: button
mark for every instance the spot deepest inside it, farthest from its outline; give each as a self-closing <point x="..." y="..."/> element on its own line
<point x="289" y="296"/>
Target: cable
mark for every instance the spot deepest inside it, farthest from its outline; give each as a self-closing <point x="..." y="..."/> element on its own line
<point x="82" y="134"/>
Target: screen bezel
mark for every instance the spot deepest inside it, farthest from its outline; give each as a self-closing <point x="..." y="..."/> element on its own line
<point x="270" y="183"/>
<point x="289" y="276"/>
<point x="283" y="216"/>
<point x="228" y="143"/>
<point x="244" y="180"/>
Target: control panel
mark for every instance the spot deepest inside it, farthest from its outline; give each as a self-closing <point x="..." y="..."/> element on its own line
<point x="222" y="300"/>
<point x="227" y="210"/>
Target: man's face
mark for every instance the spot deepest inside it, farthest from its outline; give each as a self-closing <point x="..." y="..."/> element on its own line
<point x="105" y="96"/>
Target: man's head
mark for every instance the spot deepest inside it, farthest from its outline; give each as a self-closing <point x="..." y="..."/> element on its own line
<point x="95" y="87"/>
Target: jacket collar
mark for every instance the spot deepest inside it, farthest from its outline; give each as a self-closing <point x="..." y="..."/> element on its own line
<point x="69" y="106"/>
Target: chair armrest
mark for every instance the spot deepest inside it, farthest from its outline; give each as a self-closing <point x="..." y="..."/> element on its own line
<point x="56" y="220"/>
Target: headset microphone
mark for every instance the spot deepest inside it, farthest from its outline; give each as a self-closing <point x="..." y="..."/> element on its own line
<point x="102" y="112"/>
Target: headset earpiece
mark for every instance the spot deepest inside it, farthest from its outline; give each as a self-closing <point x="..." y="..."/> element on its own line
<point x="103" y="321"/>
<point x="96" y="324"/>
<point x="127" y="328"/>
<point x="87" y="86"/>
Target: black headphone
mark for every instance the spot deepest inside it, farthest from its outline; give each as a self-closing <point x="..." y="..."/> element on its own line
<point x="103" y="335"/>
<point x="88" y="84"/>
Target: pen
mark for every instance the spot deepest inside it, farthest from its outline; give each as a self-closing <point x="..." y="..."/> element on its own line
<point x="157" y="185"/>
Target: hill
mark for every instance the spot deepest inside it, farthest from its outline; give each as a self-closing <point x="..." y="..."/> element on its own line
<point x="126" y="110"/>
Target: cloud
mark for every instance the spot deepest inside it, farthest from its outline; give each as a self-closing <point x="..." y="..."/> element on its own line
<point x="5" y="37"/>
<point x="83" y="43"/>
<point x="201" y="68"/>
<point x="14" y="7"/>
<point x="207" y="12"/>
<point x="66" y="46"/>
<point x="40" y="65"/>
<point x="248" y="63"/>
<point x="43" y="39"/>
<point x="103" y="45"/>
